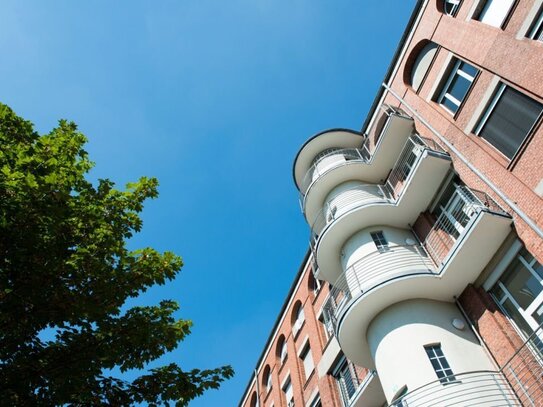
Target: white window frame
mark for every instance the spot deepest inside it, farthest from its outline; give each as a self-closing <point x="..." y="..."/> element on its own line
<point x="537" y="27"/>
<point x="269" y="382"/>
<point x="537" y="302"/>
<point x="488" y="4"/>
<point x="444" y="94"/>
<point x="284" y="351"/>
<point x="300" y="319"/>
<point x="455" y="6"/>
<point x="288" y="391"/>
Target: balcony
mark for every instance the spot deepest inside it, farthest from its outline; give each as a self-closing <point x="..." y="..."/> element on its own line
<point x="468" y="232"/>
<point x="338" y="155"/>
<point x="350" y="207"/>
<point x="480" y="388"/>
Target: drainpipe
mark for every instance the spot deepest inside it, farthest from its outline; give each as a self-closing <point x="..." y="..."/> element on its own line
<point x="490" y="184"/>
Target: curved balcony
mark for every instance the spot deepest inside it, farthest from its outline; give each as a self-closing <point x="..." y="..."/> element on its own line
<point x="339" y="155"/>
<point x="479" y="388"/>
<point x="352" y="206"/>
<point x="456" y="249"/>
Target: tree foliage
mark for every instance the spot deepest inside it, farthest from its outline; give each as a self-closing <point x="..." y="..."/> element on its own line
<point x="65" y="269"/>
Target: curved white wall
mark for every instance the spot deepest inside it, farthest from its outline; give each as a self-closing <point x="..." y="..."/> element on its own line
<point x="397" y="337"/>
<point x="361" y="243"/>
<point x="328" y="162"/>
<point x="350" y="194"/>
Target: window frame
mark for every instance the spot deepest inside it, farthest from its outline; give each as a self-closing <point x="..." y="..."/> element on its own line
<point x="536" y="30"/>
<point x="483" y="8"/>
<point x="537" y="303"/>
<point x="306" y="356"/>
<point x="455" y="7"/>
<point x="345" y="365"/>
<point x="435" y="353"/>
<point x="482" y="122"/>
<point x="380" y="241"/>
<point x="453" y="72"/>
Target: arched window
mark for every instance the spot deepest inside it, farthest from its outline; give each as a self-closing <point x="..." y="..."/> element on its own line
<point x="281" y="350"/>
<point x="418" y="63"/>
<point x="298" y="317"/>
<point x="449" y="7"/>
<point x="314" y="285"/>
<point x="254" y="400"/>
<point x="267" y="379"/>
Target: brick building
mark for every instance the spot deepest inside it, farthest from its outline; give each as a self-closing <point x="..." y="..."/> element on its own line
<point x="423" y="285"/>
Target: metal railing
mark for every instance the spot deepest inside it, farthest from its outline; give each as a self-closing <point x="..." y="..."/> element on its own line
<point x="375" y="132"/>
<point x="374" y="269"/>
<point x="327" y="161"/>
<point x="346" y="200"/>
<point x="477" y="388"/>
<point x="524" y="370"/>
<point x="365" y="194"/>
<point x="463" y="205"/>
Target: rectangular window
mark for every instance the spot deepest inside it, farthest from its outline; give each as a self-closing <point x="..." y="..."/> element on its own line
<point x="508" y="120"/>
<point x="316" y="402"/>
<point x="536" y="33"/>
<point x="346" y="379"/>
<point x="520" y="292"/>
<point x="494" y="12"/>
<point x="289" y="396"/>
<point x="379" y="239"/>
<point x="457" y="85"/>
<point x="440" y="364"/>
<point x="307" y="360"/>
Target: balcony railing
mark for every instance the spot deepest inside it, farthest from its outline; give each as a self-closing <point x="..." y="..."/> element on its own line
<point x="349" y="199"/>
<point x="365" y="194"/>
<point x="327" y="161"/>
<point x="374" y="269"/>
<point x="478" y="388"/>
<point x="524" y="370"/>
<point x="375" y="132"/>
<point x="463" y="205"/>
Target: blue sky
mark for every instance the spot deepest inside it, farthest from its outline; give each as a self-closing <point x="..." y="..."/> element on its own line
<point x="214" y="98"/>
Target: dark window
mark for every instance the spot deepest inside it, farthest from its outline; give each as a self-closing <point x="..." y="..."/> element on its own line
<point x="508" y="120"/>
<point x="379" y="240"/>
<point x="440" y="364"/>
<point x="451" y="7"/>
<point x="457" y="86"/>
<point x="536" y="33"/>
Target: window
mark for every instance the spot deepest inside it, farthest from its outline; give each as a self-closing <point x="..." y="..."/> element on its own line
<point x="519" y="291"/>
<point x="422" y="56"/>
<point x="327" y="318"/>
<point x="457" y="85"/>
<point x="267" y="378"/>
<point x="316" y="402"/>
<point x="254" y="400"/>
<point x="346" y="379"/>
<point x="380" y="242"/>
<point x="307" y="360"/>
<point x="536" y="33"/>
<point x="451" y="7"/>
<point x="440" y="364"/>
<point x="289" y="396"/>
<point x="494" y="12"/>
<point x="298" y="318"/>
<point x="508" y="120"/>
<point x="282" y="349"/>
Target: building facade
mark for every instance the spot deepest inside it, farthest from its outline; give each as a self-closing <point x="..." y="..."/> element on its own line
<point x="426" y="228"/>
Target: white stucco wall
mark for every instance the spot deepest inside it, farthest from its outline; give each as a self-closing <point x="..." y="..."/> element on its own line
<point x="397" y="337"/>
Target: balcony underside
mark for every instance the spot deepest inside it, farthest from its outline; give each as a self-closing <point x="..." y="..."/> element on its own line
<point x="334" y="138"/>
<point x="417" y="193"/>
<point x="483" y="236"/>
<point x="369" y="394"/>
<point x="374" y="170"/>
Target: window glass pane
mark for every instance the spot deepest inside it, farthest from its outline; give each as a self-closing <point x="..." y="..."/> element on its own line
<point x="453" y="107"/>
<point x="459" y="87"/>
<point x="517" y="317"/>
<point x="510" y="121"/>
<point x="495" y="11"/>
<point x="470" y="70"/>
<point x="521" y="284"/>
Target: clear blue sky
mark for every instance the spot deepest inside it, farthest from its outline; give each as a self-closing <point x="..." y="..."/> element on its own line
<point x="214" y="98"/>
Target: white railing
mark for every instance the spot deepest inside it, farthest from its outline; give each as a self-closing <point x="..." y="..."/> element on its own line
<point x="374" y="269"/>
<point x="345" y="201"/>
<point x="478" y="388"/>
<point x="327" y="161"/>
<point x="463" y="205"/>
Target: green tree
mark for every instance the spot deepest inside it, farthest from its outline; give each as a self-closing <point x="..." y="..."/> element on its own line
<point x="65" y="268"/>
